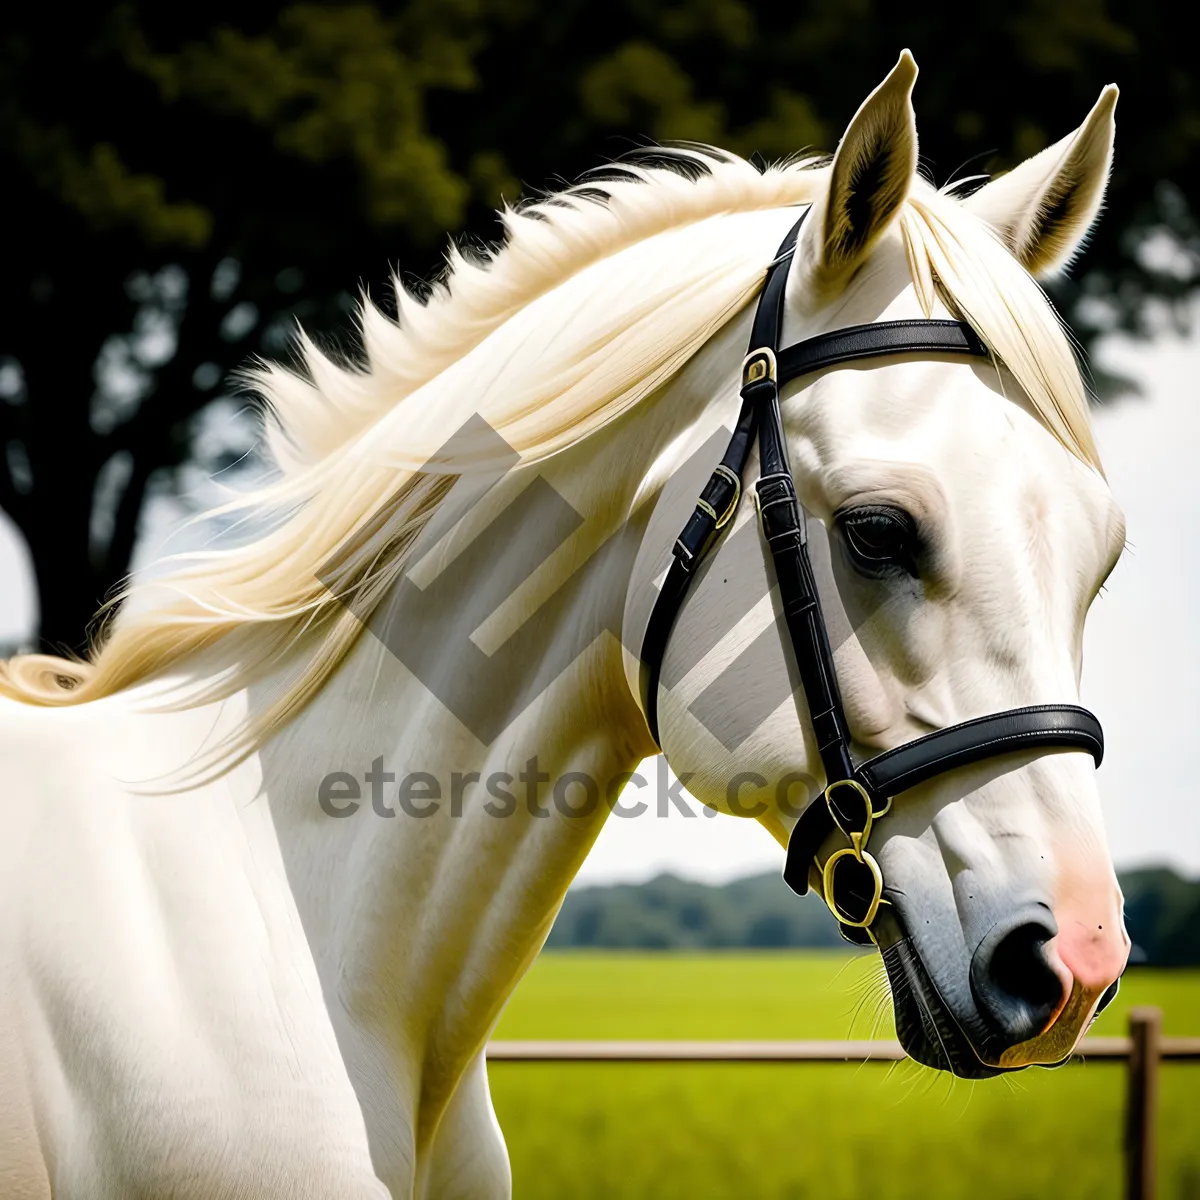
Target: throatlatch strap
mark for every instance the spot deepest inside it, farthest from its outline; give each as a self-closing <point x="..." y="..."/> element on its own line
<point x="766" y="370"/>
<point x="718" y="501"/>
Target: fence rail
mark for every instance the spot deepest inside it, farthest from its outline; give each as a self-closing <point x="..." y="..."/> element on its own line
<point x="1142" y="1051"/>
<point x="1178" y="1049"/>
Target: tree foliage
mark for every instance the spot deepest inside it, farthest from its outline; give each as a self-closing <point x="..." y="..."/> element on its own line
<point x="184" y="182"/>
<point x="1162" y="914"/>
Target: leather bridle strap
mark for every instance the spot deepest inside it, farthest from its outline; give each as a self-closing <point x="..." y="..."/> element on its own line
<point x="719" y="500"/>
<point x="1042" y="728"/>
<point x="720" y="497"/>
<point x="875" y="341"/>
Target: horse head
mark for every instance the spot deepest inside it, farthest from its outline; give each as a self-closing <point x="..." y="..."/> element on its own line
<point x="965" y="527"/>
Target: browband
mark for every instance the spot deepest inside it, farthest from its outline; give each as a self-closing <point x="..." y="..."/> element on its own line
<point x="878" y="340"/>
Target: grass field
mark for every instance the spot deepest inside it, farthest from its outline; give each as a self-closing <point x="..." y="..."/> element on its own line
<point x="825" y="1132"/>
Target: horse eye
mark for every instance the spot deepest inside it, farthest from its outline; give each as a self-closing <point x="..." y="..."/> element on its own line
<point x="880" y="539"/>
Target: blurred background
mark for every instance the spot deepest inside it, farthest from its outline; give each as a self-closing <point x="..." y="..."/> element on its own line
<point x="182" y="184"/>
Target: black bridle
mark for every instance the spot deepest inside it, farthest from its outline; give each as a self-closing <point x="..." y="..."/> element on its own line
<point x="855" y="796"/>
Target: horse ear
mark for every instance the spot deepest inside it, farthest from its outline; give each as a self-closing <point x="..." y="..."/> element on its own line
<point x="1044" y="208"/>
<point x="868" y="182"/>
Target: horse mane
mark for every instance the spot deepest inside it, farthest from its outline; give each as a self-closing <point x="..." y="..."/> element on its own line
<point x="352" y="443"/>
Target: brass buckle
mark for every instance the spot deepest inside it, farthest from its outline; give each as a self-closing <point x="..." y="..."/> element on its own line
<point x="757" y="366"/>
<point x="857" y="850"/>
<point x="858" y="841"/>
<point x="868" y="860"/>
<point x="733" y="477"/>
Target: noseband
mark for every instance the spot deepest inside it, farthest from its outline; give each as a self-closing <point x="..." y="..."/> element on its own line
<point x="855" y="797"/>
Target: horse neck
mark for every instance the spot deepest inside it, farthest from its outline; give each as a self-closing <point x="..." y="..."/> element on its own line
<point x="421" y="926"/>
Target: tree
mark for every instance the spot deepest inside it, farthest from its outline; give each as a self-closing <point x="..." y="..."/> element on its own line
<point x="185" y="182"/>
<point x="214" y="184"/>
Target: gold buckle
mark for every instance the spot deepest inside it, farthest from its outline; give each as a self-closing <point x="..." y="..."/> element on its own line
<point x="856" y="850"/>
<point x="827" y="873"/>
<point x="757" y="366"/>
<point x="727" y="473"/>
<point x="858" y="841"/>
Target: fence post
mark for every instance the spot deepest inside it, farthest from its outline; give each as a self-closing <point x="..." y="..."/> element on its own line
<point x="1141" y="1104"/>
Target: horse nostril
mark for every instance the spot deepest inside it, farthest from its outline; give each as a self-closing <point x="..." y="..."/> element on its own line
<point x="1019" y="967"/>
<point x="1015" y="988"/>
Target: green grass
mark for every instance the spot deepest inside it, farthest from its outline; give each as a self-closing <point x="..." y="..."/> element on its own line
<point x="826" y="1132"/>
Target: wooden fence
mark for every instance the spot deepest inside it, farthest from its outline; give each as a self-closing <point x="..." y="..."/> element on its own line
<point x="1142" y="1052"/>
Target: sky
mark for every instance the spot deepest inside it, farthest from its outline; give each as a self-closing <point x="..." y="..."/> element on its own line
<point x="1141" y="651"/>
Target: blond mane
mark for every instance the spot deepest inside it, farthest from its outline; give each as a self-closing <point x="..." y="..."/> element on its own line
<point x="352" y="444"/>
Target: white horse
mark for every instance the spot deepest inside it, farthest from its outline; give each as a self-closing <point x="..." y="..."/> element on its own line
<point x="266" y="882"/>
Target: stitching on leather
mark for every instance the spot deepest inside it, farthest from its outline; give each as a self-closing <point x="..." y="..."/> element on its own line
<point x="975" y="722"/>
<point x="1001" y="739"/>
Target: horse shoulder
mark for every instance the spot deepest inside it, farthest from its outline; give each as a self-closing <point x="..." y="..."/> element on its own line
<point x="162" y="1001"/>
